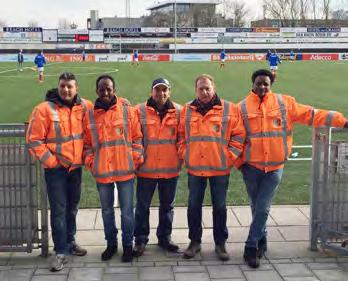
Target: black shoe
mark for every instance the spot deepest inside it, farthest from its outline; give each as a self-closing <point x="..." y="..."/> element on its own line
<point x="192" y="250"/>
<point x="109" y="252"/>
<point x="127" y="254"/>
<point x="138" y="250"/>
<point x="220" y="250"/>
<point x="251" y="257"/>
<point x="262" y="247"/>
<point x="169" y="246"/>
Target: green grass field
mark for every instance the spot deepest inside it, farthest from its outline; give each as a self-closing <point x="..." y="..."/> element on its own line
<point x="320" y="84"/>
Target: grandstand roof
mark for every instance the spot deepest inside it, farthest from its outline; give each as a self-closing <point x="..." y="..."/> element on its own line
<point x="171" y="2"/>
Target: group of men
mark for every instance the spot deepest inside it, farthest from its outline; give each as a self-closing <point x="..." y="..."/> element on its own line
<point x="151" y="142"/>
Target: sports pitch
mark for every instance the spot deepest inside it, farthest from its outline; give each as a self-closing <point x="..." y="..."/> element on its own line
<point x="321" y="84"/>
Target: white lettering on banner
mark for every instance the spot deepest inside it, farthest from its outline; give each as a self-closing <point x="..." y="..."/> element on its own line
<point x="150" y="57"/>
<point x="319" y="57"/>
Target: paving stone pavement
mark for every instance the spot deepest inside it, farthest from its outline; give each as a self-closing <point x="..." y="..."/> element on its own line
<point x="288" y="257"/>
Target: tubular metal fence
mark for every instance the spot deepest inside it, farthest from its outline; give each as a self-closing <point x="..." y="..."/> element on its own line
<point x="329" y="196"/>
<point x="23" y="203"/>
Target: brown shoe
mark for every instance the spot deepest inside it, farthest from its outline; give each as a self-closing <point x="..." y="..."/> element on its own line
<point x="139" y="250"/>
<point x="221" y="252"/>
<point x="192" y="250"/>
<point x="77" y="250"/>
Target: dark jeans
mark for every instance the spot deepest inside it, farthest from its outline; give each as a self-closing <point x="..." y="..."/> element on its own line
<point x="166" y="193"/>
<point x="261" y="188"/>
<point x="125" y="197"/>
<point x="64" y="191"/>
<point x="218" y="190"/>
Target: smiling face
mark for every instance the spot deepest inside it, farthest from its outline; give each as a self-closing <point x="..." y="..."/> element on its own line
<point x="205" y="90"/>
<point x="262" y="85"/>
<point x="106" y="90"/>
<point x="67" y="90"/>
<point x="160" y="94"/>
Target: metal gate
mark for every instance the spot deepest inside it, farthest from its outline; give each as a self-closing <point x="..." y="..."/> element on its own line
<point x="23" y="203"/>
<point x="329" y="196"/>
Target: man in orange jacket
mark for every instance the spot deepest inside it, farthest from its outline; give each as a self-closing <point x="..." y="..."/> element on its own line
<point x="211" y="138"/>
<point x="269" y="120"/>
<point x="54" y="136"/>
<point x="112" y="152"/>
<point x="159" y="118"/>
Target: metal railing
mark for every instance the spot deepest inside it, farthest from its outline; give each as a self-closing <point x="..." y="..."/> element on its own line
<point x="23" y="203"/>
<point x="329" y="195"/>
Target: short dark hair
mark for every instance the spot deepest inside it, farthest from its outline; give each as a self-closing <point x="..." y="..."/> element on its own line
<point x="67" y="76"/>
<point x="263" y="72"/>
<point x="105" y="76"/>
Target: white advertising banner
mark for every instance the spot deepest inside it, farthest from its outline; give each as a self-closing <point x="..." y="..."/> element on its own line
<point x="72" y="31"/>
<point x="96" y="36"/>
<point x="113" y="57"/>
<point x="20" y="37"/>
<point x="49" y="35"/>
<point x="204" y="35"/>
<point x="155" y="29"/>
<point x="132" y="40"/>
<point x="212" y="29"/>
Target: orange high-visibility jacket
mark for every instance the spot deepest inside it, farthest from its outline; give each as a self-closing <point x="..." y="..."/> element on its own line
<point x="160" y="139"/>
<point x="269" y="125"/>
<point x="210" y="144"/>
<point x="55" y="134"/>
<point x="112" y="142"/>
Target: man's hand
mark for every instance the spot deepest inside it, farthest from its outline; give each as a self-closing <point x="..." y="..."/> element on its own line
<point x="346" y="125"/>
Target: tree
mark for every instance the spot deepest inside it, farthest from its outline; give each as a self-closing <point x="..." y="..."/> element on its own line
<point x="339" y="14"/>
<point x="235" y="10"/>
<point x="33" y="23"/>
<point x="2" y="23"/>
<point x="64" y="24"/>
<point x="326" y="9"/>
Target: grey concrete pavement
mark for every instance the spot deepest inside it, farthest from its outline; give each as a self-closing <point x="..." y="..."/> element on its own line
<point x="288" y="257"/>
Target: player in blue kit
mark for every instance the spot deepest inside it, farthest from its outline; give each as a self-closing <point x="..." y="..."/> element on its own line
<point x="40" y="61"/>
<point x="222" y="59"/>
<point x="20" y="60"/>
<point x="274" y="60"/>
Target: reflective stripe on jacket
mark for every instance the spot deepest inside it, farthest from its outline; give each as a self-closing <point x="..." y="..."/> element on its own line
<point x="55" y="134"/>
<point x="160" y="141"/>
<point x="269" y="125"/>
<point x="210" y="144"/>
<point x="113" y="143"/>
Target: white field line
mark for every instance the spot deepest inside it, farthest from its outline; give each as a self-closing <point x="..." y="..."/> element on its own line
<point x="27" y="67"/>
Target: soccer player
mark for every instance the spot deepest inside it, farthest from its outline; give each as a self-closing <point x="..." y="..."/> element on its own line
<point x="135" y="58"/>
<point x="83" y="55"/>
<point x="274" y="60"/>
<point x="292" y="55"/>
<point x="222" y="59"/>
<point x="20" y="59"/>
<point x="40" y="61"/>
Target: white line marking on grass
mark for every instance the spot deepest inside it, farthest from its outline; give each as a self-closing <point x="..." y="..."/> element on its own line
<point x="56" y="75"/>
<point x="27" y="67"/>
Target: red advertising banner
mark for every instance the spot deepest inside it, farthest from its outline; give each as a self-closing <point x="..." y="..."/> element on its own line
<point x="238" y="57"/>
<point x="154" y="57"/>
<point x="324" y="57"/>
<point x="68" y="58"/>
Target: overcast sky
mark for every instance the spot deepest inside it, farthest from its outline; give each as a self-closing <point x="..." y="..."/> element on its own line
<point x="48" y="12"/>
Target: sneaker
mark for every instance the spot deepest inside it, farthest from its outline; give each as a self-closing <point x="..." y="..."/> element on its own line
<point x="109" y="252"/>
<point x="127" y="254"/>
<point x="139" y="250"/>
<point x="58" y="262"/>
<point x="193" y="248"/>
<point x="77" y="250"/>
<point x="169" y="246"/>
<point x="262" y="247"/>
<point x="221" y="252"/>
<point x="251" y="257"/>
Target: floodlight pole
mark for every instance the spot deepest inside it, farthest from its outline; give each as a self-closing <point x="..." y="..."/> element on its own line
<point x="175" y="23"/>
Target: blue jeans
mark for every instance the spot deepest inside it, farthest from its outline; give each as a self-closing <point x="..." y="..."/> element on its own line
<point x="166" y="193"/>
<point x="64" y="192"/>
<point x="218" y="190"/>
<point x="261" y="188"/>
<point x="125" y="197"/>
